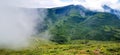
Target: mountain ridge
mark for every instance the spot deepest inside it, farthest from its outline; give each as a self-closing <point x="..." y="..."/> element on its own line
<point x="76" y="22"/>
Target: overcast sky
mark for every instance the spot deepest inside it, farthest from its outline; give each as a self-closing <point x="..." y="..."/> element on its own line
<point x="90" y="4"/>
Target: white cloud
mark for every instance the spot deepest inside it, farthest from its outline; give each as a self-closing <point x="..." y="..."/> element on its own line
<point x="17" y="24"/>
<point x="97" y="4"/>
<point x="91" y="4"/>
<point x="33" y="3"/>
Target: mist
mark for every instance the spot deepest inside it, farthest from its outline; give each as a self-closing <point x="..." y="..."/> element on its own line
<point x="17" y="24"/>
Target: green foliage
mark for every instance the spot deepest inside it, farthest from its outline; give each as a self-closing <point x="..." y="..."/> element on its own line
<point x="76" y="47"/>
<point x="75" y="22"/>
<point x="101" y="26"/>
<point x="63" y="29"/>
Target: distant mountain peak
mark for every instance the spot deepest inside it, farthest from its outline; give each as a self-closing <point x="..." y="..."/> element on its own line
<point x="110" y="10"/>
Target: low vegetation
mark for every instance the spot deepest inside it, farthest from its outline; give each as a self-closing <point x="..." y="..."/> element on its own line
<point x="75" y="47"/>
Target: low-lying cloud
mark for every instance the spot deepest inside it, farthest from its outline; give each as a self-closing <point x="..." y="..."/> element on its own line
<point x="17" y="23"/>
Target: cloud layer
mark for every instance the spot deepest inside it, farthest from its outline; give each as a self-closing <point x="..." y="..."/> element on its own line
<point x="90" y="4"/>
<point x="97" y="4"/>
<point x="17" y="23"/>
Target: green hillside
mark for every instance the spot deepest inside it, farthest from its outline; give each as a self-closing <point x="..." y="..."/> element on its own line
<point x="76" y="22"/>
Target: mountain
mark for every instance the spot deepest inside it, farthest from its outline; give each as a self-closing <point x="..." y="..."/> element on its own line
<point x="54" y="13"/>
<point x="76" y="22"/>
<point x="110" y="10"/>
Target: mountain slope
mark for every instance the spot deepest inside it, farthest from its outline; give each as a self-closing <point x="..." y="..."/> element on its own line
<point x="76" y="22"/>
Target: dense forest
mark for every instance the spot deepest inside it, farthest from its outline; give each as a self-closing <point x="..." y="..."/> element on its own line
<point x="76" y="22"/>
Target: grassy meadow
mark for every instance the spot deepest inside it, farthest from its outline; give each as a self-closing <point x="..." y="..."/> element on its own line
<point x="75" y="47"/>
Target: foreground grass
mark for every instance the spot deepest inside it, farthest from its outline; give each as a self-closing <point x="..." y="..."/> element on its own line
<point x="77" y="47"/>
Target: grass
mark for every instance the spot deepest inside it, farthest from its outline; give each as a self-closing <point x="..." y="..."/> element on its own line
<point x="76" y="47"/>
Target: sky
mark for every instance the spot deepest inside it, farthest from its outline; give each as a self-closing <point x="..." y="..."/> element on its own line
<point x="90" y="4"/>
